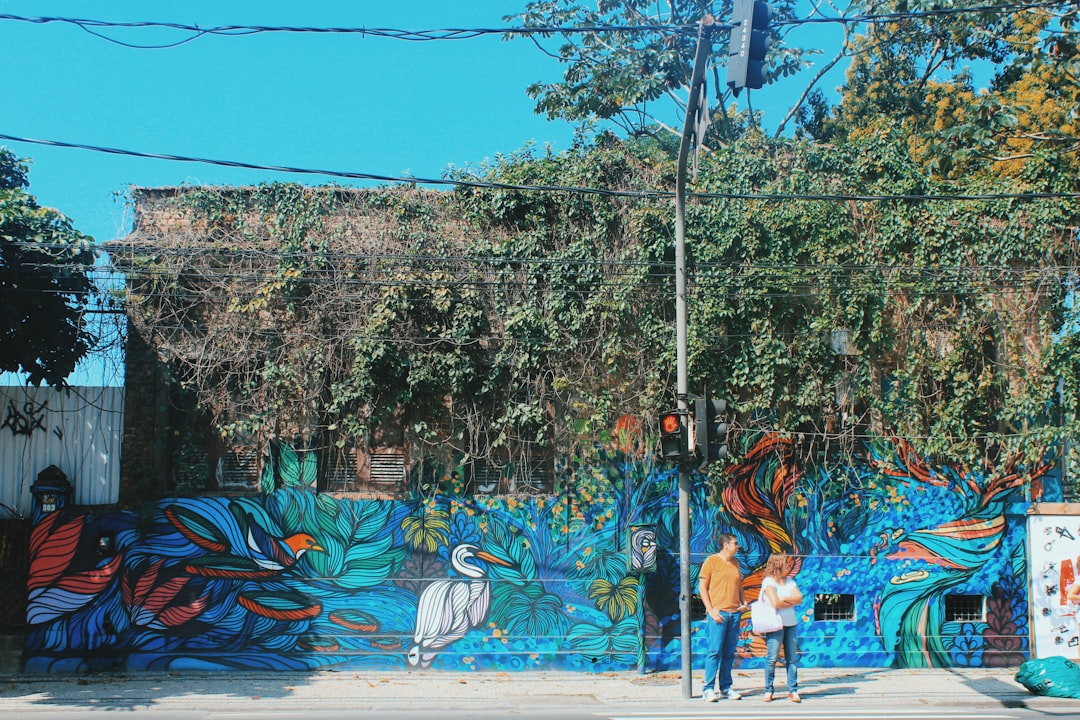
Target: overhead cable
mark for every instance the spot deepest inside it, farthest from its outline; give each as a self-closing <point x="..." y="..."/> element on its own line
<point x="94" y="27"/>
<point x="426" y="35"/>
<point x="486" y="185"/>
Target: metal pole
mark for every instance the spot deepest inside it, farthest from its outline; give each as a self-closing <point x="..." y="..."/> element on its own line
<point x="685" y="591"/>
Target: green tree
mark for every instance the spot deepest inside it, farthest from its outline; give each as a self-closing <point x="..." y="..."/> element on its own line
<point x="45" y="283"/>
<point x="931" y="319"/>
<point x="918" y="73"/>
<point x="943" y="310"/>
<point x="911" y="64"/>
<point x="638" y="78"/>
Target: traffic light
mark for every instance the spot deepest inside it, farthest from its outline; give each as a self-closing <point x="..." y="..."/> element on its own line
<point x="710" y="429"/>
<point x="748" y="45"/>
<point x="673" y="436"/>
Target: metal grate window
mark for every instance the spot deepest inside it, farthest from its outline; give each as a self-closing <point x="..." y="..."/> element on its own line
<point x="531" y="475"/>
<point x="965" y="608"/>
<point x="341" y="472"/>
<point x="485" y="477"/>
<point x="387" y="469"/>
<point x="834" y="607"/>
<point x="239" y="466"/>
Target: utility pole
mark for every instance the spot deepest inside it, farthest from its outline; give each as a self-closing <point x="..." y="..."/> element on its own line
<point x="692" y="106"/>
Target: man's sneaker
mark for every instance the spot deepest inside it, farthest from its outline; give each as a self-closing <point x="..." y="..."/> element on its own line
<point x="709" y="695"/>
<point x="730" y="694"/>
<point x="794" y="697"/>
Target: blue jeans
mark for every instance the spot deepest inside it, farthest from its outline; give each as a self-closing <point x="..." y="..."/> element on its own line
<point x="789" y="637"/>
<point x="720" y="657"/>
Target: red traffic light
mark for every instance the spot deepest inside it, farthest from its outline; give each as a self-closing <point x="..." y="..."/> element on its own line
<point x="673" y="436"/>
<point x="669" y="423"/>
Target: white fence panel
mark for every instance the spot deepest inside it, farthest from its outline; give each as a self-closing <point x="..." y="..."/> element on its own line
<point x="78" y="431"/>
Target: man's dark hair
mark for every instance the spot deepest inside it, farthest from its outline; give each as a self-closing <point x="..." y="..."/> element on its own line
<point x="724" y="538"/>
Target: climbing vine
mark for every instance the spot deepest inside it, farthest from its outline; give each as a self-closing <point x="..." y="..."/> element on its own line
<point x="491" y="321"/>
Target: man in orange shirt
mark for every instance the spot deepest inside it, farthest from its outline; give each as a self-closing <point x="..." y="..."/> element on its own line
<point x="720" y="587"/>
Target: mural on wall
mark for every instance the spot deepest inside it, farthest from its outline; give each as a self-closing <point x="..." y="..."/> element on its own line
<point x="587" y="579"/>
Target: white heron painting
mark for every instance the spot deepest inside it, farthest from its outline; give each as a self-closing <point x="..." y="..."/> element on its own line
<point x="450" y="608"/>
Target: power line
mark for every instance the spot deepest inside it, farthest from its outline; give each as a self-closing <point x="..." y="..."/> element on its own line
<point x="427" y="35"/>
<point x="603" y="192"/>
<point x="873" y="19"/>
<point x="408" y="180"/>
<point x="390" y="33"/>
<point x="94" y="27"/>
<point x="260" y="265"/>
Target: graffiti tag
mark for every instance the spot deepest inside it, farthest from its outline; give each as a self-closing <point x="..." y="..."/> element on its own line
<point x="26" y="420"/>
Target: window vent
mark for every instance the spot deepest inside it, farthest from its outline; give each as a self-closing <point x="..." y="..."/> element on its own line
<point x="239" y="466"/>
<point x="965" y="608"/>
<point x="834" y="607"/>
<point x="387" y="469"/>
<point x="485" y="477"/>
<point x="342" y="473"/>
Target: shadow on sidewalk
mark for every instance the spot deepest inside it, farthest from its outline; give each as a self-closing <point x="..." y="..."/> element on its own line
<point x="121" y="691"/>
<point x="842" y="684"/>
<point x="1010" y="695"/>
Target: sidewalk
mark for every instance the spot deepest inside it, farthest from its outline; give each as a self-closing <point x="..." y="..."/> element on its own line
<point x="822" y="689"/>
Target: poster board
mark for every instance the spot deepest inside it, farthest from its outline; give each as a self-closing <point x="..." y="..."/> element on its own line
<point x="1053" y="534"/>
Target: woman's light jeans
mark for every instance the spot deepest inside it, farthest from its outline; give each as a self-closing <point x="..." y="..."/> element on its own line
<point x="787" y="636"/>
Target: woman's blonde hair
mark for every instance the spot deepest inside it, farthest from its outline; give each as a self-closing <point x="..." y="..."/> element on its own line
<point x="778" y="565"/>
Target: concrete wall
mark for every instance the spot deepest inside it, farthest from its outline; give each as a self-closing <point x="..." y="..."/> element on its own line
<point x="297" y="579"/>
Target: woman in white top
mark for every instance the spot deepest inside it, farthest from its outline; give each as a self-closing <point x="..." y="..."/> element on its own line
<point x="783" y="594"/>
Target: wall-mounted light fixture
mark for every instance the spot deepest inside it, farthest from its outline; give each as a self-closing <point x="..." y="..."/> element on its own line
<point x="106" y="544"/>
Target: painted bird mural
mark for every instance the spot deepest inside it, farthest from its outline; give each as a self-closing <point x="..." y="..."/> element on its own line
<point x="62" y="580"/>
<point x="450" y="608"/>
<point x="261" y="555"/>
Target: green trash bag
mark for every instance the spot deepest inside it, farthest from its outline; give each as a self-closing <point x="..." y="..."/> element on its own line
<point x="1052" y="676"/>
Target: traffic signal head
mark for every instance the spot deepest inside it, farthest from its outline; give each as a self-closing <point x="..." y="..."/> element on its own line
<point x="748" y="44"/>
<point x="710" y="429"/>
<point x="673" y="436"/>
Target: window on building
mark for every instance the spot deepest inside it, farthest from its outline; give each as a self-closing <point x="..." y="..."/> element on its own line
<point x="484" y="477"/>
<point x="380" y="472"/>
<point x="965" y="608"/>
<point x="535" y="472"/>
<point x="531" y="471"/>
<point x="238" y="467"/>
<point x="386" y="469"/>
<point x="375" y="465"/>
<point x="834" y="607"/>
<point x="342" y="472"/>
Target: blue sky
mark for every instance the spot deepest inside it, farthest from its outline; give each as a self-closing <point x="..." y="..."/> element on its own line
<point x="336" y="102"/>
<point x="339" y="102"/>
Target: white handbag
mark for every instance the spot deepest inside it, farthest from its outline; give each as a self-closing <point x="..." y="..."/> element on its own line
<point x="764" y="618"/>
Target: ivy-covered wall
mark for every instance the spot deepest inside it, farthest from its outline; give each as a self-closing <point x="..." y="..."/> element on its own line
<point x="294" y="579"/>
